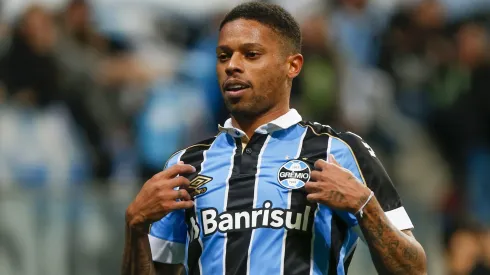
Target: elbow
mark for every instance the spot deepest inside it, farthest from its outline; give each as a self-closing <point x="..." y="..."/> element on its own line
<point x="423" y="267"/>
<point x="419" y="260"/>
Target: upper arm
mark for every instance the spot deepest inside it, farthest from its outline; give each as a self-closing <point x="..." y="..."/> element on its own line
<point x="357" y="156"/>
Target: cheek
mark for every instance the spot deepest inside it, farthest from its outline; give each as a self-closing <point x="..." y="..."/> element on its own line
<point x="275" y="82"/>
<point x="270" y="76"/>
<point x="220" y="73"/>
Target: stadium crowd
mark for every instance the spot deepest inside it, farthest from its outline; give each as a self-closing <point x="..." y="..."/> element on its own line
<point x="105" y="91"/>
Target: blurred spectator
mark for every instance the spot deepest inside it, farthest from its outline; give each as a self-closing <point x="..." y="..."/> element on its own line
<point x="355" y="26"/>
<point x="404" y="54"/>
<point x="28" y="68"/>
<point x="78" y="53"/>
<point x="474" y="225"/>
<point x="36" y="139"/>
<point x="315" y="93"/>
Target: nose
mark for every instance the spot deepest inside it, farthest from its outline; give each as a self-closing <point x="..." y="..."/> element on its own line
<point x="234" y="65"/>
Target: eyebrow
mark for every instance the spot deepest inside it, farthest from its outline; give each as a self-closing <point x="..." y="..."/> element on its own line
<point x="243" y="46"/>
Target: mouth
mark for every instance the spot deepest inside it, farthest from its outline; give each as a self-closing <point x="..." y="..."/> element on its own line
<point x="235" y="87"/>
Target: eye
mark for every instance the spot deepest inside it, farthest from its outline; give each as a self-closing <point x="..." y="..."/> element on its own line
<point x="223" y="56"/>
<point x="252" y="55"/>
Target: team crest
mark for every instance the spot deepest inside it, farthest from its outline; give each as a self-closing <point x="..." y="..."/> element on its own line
<point x="294" y="174"/>
<point x="196" y="185"/>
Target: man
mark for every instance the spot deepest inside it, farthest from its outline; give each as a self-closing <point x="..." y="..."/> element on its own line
<point x="269" y="194"/>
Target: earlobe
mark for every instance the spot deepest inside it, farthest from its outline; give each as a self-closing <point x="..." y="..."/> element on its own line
<point x="295" y="65"/>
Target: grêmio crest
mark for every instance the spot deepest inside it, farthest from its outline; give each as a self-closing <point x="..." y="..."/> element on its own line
<point x="196" y="185"/>
<point x="294" y="174"/>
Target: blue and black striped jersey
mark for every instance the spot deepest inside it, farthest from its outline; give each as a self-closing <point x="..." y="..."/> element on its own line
<point x="251" y="215"/>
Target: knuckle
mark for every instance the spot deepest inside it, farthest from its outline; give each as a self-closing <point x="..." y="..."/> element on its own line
<point x="164" y="205"/>
<point x="156" y="176"/>
<point x="163" y="186"/>
<point x="184" y="181"/>
<point x="163" y="196"/>
<point x="174" y="168"/>
<point x="157" y="187"/>
<point x="184" y="192"/>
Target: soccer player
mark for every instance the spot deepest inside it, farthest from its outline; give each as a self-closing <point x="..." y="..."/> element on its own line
<point x="270" y="193"/>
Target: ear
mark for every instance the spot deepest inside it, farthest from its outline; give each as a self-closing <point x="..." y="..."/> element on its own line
<point x="295" y="63"/>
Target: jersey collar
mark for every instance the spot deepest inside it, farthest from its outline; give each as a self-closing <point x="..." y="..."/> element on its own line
<point x="283" y="122"/>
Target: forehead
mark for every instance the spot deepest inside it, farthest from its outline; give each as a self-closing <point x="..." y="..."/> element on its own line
<point x="243" y="31"/>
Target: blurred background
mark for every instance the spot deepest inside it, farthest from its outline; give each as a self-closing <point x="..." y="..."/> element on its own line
<point x="95" y="95"/>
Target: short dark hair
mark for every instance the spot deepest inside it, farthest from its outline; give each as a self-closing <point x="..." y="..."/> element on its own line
<point x="271" y="15"/>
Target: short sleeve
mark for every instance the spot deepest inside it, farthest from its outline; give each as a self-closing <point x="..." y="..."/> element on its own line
<point x="357" y="156"/>
<point x="168" y="236"/>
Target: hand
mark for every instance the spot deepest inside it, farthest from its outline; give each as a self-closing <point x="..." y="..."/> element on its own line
<point x="336" y="187"/>
<point x="157" y="198"/>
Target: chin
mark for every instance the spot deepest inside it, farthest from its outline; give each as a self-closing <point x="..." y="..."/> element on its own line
<point x="246" y="111"/>
<point x="242" y="110"/>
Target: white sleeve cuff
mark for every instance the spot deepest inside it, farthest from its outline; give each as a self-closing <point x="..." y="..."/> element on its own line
<point x="399" y="218"/>
<point x="167" y="252"/>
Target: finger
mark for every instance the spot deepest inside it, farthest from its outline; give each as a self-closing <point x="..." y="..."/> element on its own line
<point x="181" y="182"/>
<point x="311" y="187"/>
<point x="178" y="169"/>
<point x="179" y="194"/>
<point x="316" y="175"/>
<point x="158" y="175"/>
<point x="321" y="164"/>
<point x="184" y="195"/>
<point x="183" y="205"/>
<point x="312" y="197"/>
<point x="332" y="160"/>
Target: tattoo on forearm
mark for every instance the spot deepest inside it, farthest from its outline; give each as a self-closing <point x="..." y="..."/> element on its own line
<point x="410" y="254"/>
<point x="393" y="251"/>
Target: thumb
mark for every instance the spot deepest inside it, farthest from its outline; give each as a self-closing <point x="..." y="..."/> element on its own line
<point x="332" y="160"/>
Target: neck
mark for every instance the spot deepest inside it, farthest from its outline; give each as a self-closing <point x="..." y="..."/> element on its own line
<point x="250" y="124"/>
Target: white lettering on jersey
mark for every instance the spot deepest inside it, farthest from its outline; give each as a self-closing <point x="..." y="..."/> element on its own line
<point x="255" y="218"/>
<point x="208" y="221"/>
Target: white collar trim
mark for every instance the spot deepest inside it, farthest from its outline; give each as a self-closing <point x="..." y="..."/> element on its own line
<point x="283" y="122"/>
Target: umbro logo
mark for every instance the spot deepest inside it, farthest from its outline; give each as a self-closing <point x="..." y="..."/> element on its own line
<point x="196" y="185"/>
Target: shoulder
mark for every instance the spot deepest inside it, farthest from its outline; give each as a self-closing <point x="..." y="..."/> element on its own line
<point x="197" y="147"/>
<point x="319" y="129"/>
<point x="351" y="149"/>
<point x="348" y="140"/>
<point x="357" y="144"/>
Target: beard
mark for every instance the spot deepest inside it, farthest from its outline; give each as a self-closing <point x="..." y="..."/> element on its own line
<point x="244" y="108"/>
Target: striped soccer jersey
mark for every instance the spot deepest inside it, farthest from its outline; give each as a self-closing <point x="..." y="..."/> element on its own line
<point x="251" y="215"/>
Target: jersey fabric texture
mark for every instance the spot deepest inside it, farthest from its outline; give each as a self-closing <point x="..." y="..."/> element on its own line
<point x="251" y="215"/>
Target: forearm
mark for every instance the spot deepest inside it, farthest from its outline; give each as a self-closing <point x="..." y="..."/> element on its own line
<point x="392" y="251"/>
<point x="137" y="258"/>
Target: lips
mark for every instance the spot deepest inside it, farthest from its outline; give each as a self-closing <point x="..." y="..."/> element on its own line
<point x="235" y="85"/>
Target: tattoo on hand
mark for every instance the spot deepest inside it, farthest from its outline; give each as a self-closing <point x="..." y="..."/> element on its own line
<point x="336" y="196"/>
